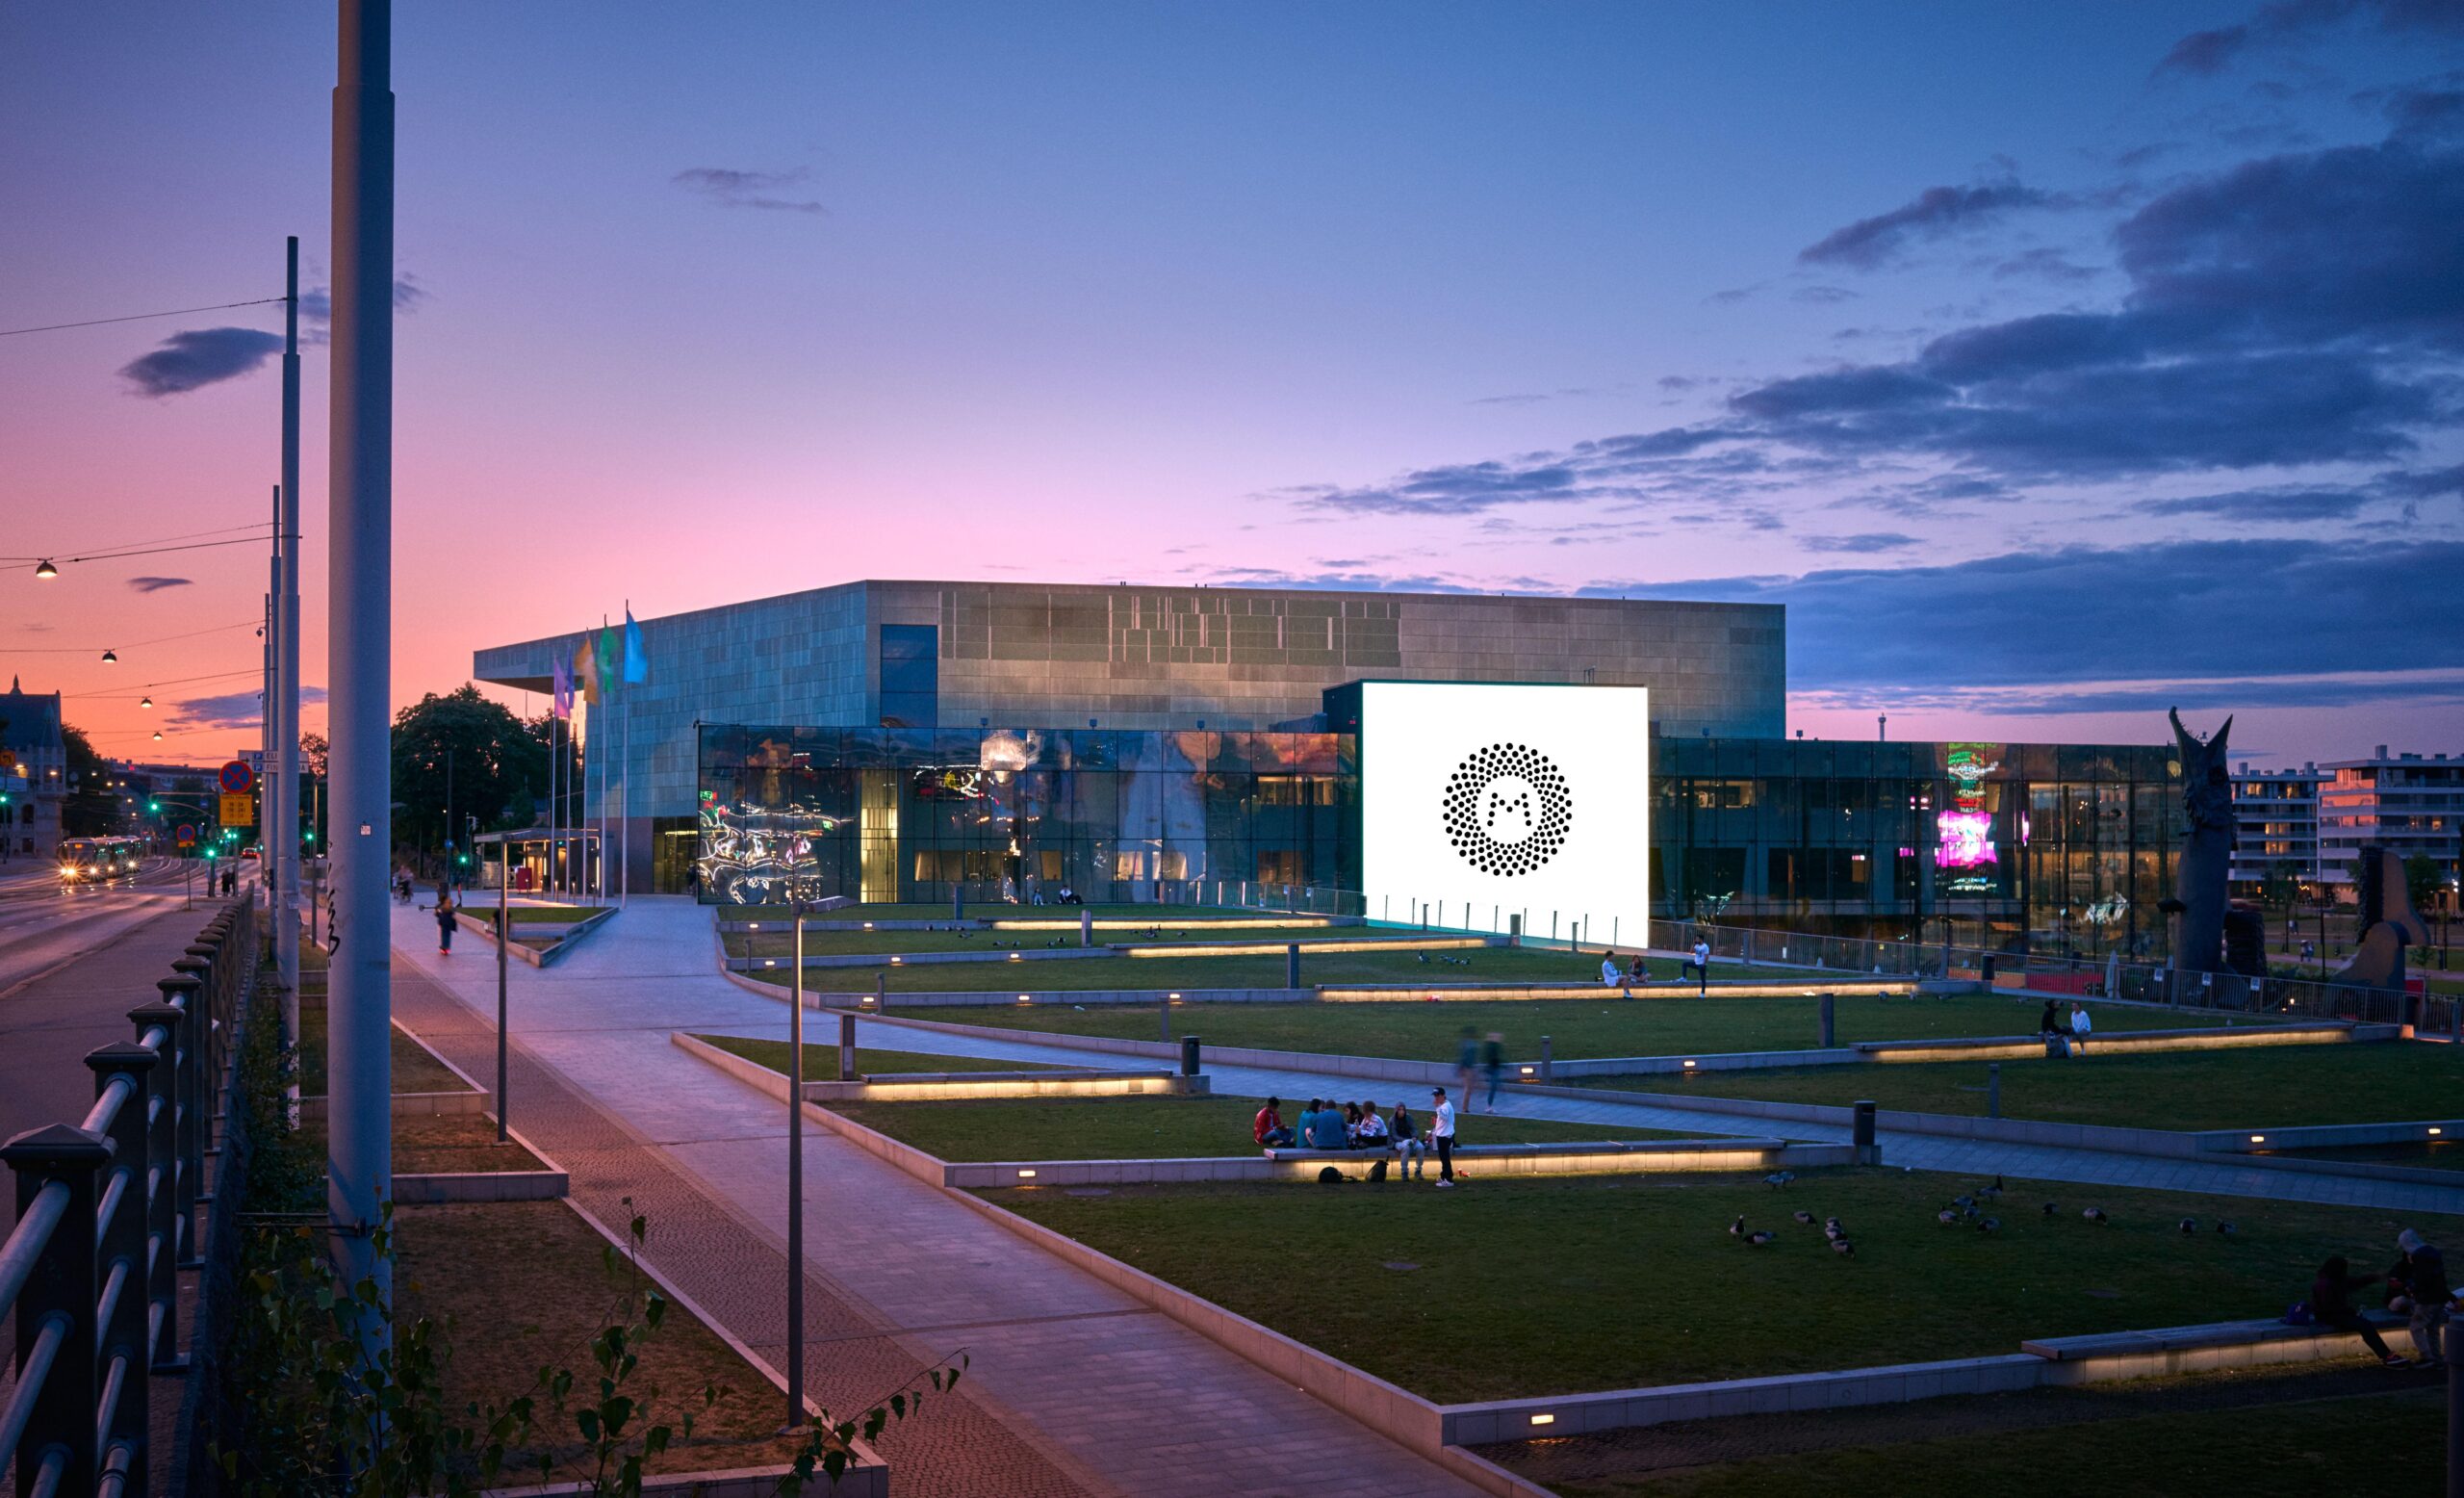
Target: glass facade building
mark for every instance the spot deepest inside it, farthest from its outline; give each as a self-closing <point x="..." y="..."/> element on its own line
<point x="2038" y="847"/>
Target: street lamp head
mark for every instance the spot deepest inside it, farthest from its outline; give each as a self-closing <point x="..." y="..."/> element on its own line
<point x="45" y="570"/>
<point x="145" y="702"/>
<point x="110" y="657"/>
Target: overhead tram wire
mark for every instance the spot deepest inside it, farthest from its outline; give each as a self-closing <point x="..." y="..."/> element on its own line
<point x="160" y="640"/>
<point x="150" y="550"/>
<point x="160" y="541"/>
<point x="176" y="681"/>
<point x="138" y="317"/>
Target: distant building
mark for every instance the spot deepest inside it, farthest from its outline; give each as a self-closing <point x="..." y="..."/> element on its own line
<point x="2275" y="825"/>
<point x="2411" y="803"/>
<point x="33" y="772"/>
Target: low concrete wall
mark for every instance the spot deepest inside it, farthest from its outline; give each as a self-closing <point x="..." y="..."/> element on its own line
<point x="1635" y="1157"/>
<point x="1133" y="951"/>
<point x="2330" y="1136"/>
<point x="1659" y="989"/>
<point x="959" y="1086"/>
<point x="866" y="1477"/>
<point x="481" y="1186"/>
<point x="484" y="923"/>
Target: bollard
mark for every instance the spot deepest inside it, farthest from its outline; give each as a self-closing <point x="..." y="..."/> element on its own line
<point x="1867" y="1152"/>
<point x="1292" y="965"/>
<point x="1086" y="926"/>
<point x="1514" y="930"/>
<point x="1993" y="1089"/>
<point x="1830" y="1030"/>
<point x="881" y="991"/>
<point x="1189" y="1055"/>
<point x="56" y="1307"/>
<point x="1548" y="1062"/>
<point x="846" y="1047"/>
<point x="1164" y="1014"/>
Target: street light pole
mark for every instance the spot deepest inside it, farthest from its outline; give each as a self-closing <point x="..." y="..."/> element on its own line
<point x="505" y="937"/>
<point x="282" y="841"/>
<point x="796" y="1179"/>
<point x="360" y="447"/>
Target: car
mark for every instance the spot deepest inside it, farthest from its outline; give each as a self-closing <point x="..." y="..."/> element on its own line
<point x="250" y="851"/>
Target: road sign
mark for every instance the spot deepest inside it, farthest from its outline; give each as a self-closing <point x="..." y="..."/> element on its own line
<point x="240" y="810"/>
<point x="236" y="779"/>
<point x="187" y="833"/>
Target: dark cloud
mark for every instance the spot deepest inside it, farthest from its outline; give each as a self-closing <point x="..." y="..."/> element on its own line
<point x="2427" y="113"/>
<point x="1870" y="243"/>
<point x="157" y="584"/>
<point x="2209" y="52"/>
<point x="730" y="188"/>
<point x="230" y="709"/>
<point x="1823" y="295"/>
<point x="2160" y="611"/>
<point x="2261" y="505"/>
<point x="316" y="303"/>
<point x="1865" y="543"/>
<point x="2045" y="263"/>
<point x="1454" y="489"/>
<point x="2425" y="485"/>
<point x="202" y="356"/>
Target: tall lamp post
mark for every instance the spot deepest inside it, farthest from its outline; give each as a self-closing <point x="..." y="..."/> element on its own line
<point x="796" y="1176"/>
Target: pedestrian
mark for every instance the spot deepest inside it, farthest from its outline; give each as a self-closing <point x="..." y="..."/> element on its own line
<point x="2049" y="1023"/>
<point x="2080" y="1026"/>
<point x="444" y="920"/>
<point x="1493" y="1062"/>
<point x="1408" y="1144"/>
<point x="2426" y="1269"/>
<point x="1441" y="1133"/>
<point x="1702" y="965"/>
<point x="1467" y="1061"/>
<point x="2331" y="1306"/>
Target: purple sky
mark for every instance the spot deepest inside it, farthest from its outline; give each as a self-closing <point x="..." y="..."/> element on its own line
<point x="2053" y="364"/>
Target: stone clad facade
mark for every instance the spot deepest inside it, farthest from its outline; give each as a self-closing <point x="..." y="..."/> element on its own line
<point x="1024" y="654"/>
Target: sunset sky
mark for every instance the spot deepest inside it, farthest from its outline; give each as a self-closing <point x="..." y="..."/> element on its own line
<point x="2053" y="363"/>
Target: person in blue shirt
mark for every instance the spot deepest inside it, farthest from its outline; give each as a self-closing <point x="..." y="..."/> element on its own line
<point x="1308" y="1117"/>
<point x="1327" y="1129"/>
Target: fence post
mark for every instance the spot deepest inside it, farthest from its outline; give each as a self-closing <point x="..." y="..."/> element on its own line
<point x="125" y="1349"/>
<point x="1292" y="965"/>
<point x="184" y="1043"/>
<point x="1828" y="1030"/>
<point x="1993" y="1089"/>
<point x="162" y="1105"/>
<point x="846" y="1047"/>
<point x="56" y="1308"/>
<point x="1547" y="1059"/>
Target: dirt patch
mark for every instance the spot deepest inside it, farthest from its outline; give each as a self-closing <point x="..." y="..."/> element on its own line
<point x="444" y="1145"/>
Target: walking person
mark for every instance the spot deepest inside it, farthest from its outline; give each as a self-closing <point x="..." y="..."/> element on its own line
<point x="1441" y="1134"/>
<point x="2425" y="1271"/>
<point x="444" y="920"/>
<point x="1493" y="1062"/>
<point x="1467" y="1062"/>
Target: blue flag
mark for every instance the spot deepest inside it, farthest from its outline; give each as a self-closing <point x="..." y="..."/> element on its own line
<point x="637" y="663"/>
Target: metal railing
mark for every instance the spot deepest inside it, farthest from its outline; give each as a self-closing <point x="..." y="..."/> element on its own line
<point x="107" y="1214"/>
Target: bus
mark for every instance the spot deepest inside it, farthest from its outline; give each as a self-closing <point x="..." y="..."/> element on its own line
<point x="98" y="861"/>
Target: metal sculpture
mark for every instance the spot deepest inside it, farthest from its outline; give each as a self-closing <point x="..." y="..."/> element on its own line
<point x="2203" y="866"/>
<point x="2388" y="922"/>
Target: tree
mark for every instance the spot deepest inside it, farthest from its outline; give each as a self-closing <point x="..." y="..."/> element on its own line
<point x="2423" y="882"/>
<point x="92" y="807"/>
<point x="495" y="762"/>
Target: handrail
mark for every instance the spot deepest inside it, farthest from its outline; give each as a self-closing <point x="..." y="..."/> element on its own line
<point x="23" y="1250"/>
<point x="102" y="1300"/>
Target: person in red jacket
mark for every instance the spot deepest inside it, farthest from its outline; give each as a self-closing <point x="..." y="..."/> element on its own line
<point x="1268" y="1128"/>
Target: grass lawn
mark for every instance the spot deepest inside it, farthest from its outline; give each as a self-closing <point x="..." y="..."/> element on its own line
<point x="415" y="1070"/>
<point x="1486" y="965"/>
<point x="1144" y="1129"/>
<point x="2385" y="1081"/>
<point x="821" y="1062"/>
<point x="1532" y="1287"/>
<point x="2388" y="1443"/>
<point x="996" y="909"/>
<point x="781" y="942"/>
<point x="444" y="1144"/>
<point x="526" y="1285"/>
<point x="1576" y="1026"/>
<point x="545" y="915"/>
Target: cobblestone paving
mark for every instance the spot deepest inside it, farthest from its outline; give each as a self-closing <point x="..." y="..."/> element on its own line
<point x="1072" y="1388"/>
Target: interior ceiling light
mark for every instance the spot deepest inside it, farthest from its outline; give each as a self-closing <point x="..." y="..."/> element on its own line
<point x="45" y="569"/>
<point x="110" y="658"/>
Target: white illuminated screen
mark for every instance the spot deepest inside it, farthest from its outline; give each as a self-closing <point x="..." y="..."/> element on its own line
<point x="1498" y="800"/>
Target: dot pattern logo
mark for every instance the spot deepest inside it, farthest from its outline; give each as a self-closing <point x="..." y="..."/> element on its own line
<point x="1508" y="810"/>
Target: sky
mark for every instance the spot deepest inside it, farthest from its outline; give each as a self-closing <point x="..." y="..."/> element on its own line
<point x="2053" y="364"/>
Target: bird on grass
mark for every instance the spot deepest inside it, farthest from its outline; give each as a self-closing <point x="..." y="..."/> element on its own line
<point x="2189" y="1224"/>
<point x="2052" y="1207"/>
<point x="1989" y="1224"/>
<point x="1832" y="1230"/>
<point x="1806" y="1218"/>
<point x="1758" y="1238"/>
<point x="1947" y="1218"/>
<point x="1779" y="1179"/>
<point x="1843" y="1248"/>
<point x="1962" y="1202"/>
<point x="2094" y="1214"/>
<point x="2226" y="1228"/>
<point x="1736" y="1230"/>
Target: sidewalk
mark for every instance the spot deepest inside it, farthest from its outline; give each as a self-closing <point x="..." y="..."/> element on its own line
<point x="1074" y="1387"/>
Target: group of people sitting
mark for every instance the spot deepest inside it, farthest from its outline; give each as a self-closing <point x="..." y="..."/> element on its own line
<point x="2417" y="1289"/>
<point x="1327" y="1124"/>
<point x="2071" y="1032"/>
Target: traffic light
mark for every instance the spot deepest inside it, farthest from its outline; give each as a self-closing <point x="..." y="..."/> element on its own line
<point x="153" y="806"/>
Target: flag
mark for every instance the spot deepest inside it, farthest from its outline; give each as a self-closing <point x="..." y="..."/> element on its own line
<point x="610" y="658"/>
<point x="564" y="690"/>
<point x="586" y="667"/>
<point x="637" y="661"/>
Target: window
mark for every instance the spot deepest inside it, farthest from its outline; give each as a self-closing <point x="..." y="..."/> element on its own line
<point x="911" y="663"/>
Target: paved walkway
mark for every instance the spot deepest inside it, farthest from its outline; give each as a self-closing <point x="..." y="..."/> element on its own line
<point x="1073" y="1386"/>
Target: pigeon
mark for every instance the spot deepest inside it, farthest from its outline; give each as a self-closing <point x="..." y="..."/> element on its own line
<point x="1806" y="1218"/>
<point x="1832" y="1230"/>
<point x="1947" y="1218"/>
<point x="1779" y="1180"/>
<point x="1759" y="1238"/>
<point x="2226" y="1228"/>
<point x="1736" y="1230"/>
<point x="1842" y="1246"/>
<point x="1962" y="1202"/>
<point x="1989" y="1224"/>
<point x="2094" y="1214"/>
<point x="1988" y="1193"/>
<point x="2189" y="1224"/>
<point x="2052" y="1207"/>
